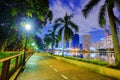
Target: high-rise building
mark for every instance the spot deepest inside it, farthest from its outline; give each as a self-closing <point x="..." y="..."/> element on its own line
<point x="108" y="37"/>
<point x="75" y="41"/>
<point x="81" y="46"/>
<point x="67" y="44"/>
<point x="86" y="41"/>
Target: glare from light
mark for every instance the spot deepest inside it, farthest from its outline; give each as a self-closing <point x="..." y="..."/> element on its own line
<point x="33" y="44"/>
<point x="28" y="27"/>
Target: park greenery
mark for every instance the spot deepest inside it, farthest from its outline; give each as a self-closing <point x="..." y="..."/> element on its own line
<point x="51" y="39"/>
<point x="7" y="54"/>
<point x="97" y="62"/>
<point x="13" y="17"/>
<point x="16" y="13"/>
<point x="65" y="28"/>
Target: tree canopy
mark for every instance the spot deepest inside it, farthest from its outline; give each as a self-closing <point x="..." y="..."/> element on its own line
<point x="13" y="12"/>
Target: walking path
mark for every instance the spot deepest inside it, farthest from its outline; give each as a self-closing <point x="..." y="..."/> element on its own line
<point x="41" y="67"/>
<point x="37" y="69"/>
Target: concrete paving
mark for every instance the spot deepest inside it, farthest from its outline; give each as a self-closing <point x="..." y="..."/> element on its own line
<point x="42" y="67"/>
<point x="37" y="69"/>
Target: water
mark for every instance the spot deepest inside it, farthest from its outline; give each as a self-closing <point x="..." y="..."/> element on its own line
<point x="108" y="57"/>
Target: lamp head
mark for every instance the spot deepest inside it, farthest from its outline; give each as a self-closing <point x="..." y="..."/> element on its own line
<point x="28" y="27"/>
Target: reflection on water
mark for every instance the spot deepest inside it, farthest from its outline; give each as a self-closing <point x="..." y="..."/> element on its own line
<point x="108" y="57"/>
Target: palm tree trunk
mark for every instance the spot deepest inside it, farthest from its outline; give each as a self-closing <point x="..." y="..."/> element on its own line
<point x="52" y="49"/>
<point x="63" y="47"/>
<point x="114" y="37"/>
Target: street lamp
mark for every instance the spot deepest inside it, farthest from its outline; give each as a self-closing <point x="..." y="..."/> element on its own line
<point x="27" y="27"/>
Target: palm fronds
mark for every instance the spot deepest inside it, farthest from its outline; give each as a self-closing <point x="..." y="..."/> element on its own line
<point x="102" y="20"/>
<point x="59" y="20"/>
<point x="74" y="26"/>
<point x="60" y="33"/>
<point x="117" y="3"/>
<point x="68" y="33"/>
<point x="89" y="7"/>
<point x="56" y="26"/>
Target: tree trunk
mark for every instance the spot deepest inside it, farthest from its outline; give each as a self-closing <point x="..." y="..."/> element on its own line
<point x="3" y="45"/>
<point x="63" y="47"/>
<point x="52" y="49"/>
<point x="114" y="37"/>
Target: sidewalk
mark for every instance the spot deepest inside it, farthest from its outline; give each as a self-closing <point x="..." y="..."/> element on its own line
<point x="42" y="67"/>
<point x="37" y="69"/>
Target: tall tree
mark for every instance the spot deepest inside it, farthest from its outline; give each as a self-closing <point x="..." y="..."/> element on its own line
<point x="47" y="40"/>
<point x="52" y="39"/>
<point x="15" y="11"/>
<point x="39" y="42"/>
<point x="66" y="29"/>
<point x="107" y="7"/>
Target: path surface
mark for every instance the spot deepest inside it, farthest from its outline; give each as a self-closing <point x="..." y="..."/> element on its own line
<point x="41" y="67"/>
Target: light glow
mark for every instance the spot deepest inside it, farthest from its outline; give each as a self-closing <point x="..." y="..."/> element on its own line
<point x="28" y="27"/>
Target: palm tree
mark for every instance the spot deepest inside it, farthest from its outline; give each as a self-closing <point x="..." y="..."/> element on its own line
<point x="66" y="29"/>
<point x="107" y="7"/>
<point x="51" y="38"/>
<point x="47" y="40"/>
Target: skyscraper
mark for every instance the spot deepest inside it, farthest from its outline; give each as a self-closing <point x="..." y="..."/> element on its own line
<point x="75" y="41"/>
<point x="67" y="44"/>
<point x="81" y="46"/>
<point x="108" y="37"/>
<point x="86" y="41"/>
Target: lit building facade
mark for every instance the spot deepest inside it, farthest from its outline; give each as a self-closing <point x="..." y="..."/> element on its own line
<point x="86" y="41"/>
<point x="108" y="37"/>
<point x="105" y="43"/>
<point x="75" y="41"/>
<point x="81" y="46"/>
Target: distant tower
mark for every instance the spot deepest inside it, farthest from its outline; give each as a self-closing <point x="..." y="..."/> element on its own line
<point x="107" y="32"/>
<point x="67" y="44"/>
<point x="108" y="37"/>
<point x="86" y="41"/>
<point x="81" y="46"/>
<point x="75" y="41"/>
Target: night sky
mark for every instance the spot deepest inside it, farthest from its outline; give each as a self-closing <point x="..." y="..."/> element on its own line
<point x="89" y="25"/>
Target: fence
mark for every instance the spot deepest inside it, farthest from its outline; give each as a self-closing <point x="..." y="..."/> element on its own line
<point x="11" y="64"/>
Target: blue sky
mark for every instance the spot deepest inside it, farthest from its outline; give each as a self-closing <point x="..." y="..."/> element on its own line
<point x="89" y="25"/>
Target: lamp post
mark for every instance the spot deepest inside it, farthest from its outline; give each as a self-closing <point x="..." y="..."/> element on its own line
<point x="27" y="28"/>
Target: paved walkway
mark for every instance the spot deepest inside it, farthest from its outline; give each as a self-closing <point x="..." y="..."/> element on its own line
<point x="41" y="67"/>
<point x="37" y="69"/>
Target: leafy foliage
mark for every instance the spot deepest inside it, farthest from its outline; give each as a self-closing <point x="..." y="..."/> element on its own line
<point x="88" y="7"/>
<point x="64" y="25"/>
<point x="66" y="28"/>
<point x="51" y="38"/>
<point x="39" y="42"/>
<point x="12" y="12"/>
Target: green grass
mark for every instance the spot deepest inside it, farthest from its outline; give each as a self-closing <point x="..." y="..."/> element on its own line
<point x="98" y="62"/>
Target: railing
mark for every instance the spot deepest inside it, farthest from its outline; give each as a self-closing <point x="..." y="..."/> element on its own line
<point x="6" y="72"/>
